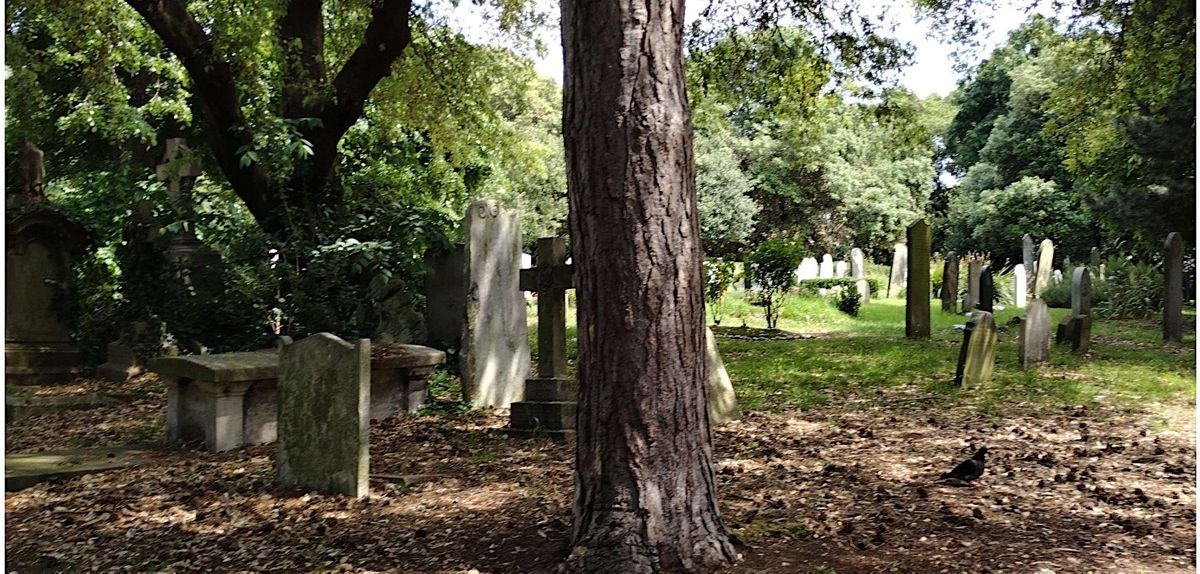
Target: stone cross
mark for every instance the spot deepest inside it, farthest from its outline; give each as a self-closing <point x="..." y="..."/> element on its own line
<point x="977" y="356"/>
<point x="1173" y="285"/>
<point x="857" y="263"/>
<point x="950" y="283"/>
<point x="916" y="305"/>
<point x="1045" y="268"/>
<point x="550" y="277"/>
<point x="1020" y="285"/>
<point x="33" y="173"/>
<point x="177" y="169"/>
<point x="1033" y="344"/>
<point x="987" y="289"/>
<point x="896" y="280"/>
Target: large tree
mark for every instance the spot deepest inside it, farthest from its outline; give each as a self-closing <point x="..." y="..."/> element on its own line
<point x="645" y="493"/>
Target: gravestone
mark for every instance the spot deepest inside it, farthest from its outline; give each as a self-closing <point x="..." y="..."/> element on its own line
<point x="1094" y="260"/>
<point x="916" y="306"/>
<point x="1081" y="291"/>
<point x="1045" y="268"/>
<point x="950" y="283"/>
<point x="1020" y="285"/>
<point x="42" y="245"/>
<point x="809" y="269"/>
<point x="825" y="270"/>
<point x="857" y="263"/>
<point x="977" y="356"/>
<point x="1173" y="286"/>
<point x="896" y="279"/>
<point x="863" y="287"/>
<point x="1033" y="344"/>
<point x="445" y="296"/>
<point x="1029" y="259"/>
<point x="722" y="402"/>
<point x="987" y="289"/>
<point x="549" y="406"/>
<point x="1075" y="329"/>
<point x="184" y="247"/>
<point x="495" y="341"/>
<point x="839" y="268"/>
<point x="974" y="271"/>
<point x="324" y="414"/>
<point x="1058" y="276"/>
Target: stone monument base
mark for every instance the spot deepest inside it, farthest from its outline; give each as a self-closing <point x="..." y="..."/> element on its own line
<point x="122" y="364"/>
<point x="41" y="363"/>
<point x="548" y="410"/>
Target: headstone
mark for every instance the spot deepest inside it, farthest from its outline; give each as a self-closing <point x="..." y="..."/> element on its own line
<point x="974" y="271"/>
<point x="526" y="261"/>
<point x="916" y="315"/>
<point x="1029" y="259"/>
<point x="1095" y="258"/>
<point x="1075" y="329"/>
<point x="1081" y="291"/>
<point x="863" y="287"/>
<point x="839" y="268"/>
<point x="825" y="270"/>
<point x="722" y="402"/>
<point x="987" y="289"/>
<point x="1020" y="285"/>
<point x="495" y="342"/>
<point x="446" y="296"/>
<point x="42" y="244"/>
<point x="1033" y="344"/>
<point x="1173" y="285"/>
<point x="1058" y="276"/>
<point x="977" y="356"/>
<point x="1045" y="268"/>
<point x="180" y="174"/>
<point x="324" y="414"/>
<point x="809" y="269"/>
<point x="899" y="267"/>
<point x="857" y="263"/>
<point x="950" y="283"/>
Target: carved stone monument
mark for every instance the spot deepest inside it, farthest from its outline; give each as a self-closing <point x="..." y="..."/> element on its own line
<point x="896" y="279"/>
<point x="950" y="283"/>
<point x="917" y="296"/>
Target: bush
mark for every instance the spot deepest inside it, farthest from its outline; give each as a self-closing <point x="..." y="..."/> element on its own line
<point x="772" y="267"/>
<point x="719" y="276"/>
<point x="1057" y="295"/>
<point x="1130" y="291"/>
<point x="812" y="286"/>
<point x="849" y="302"/>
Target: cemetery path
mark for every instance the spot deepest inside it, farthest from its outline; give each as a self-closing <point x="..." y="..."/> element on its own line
<point x="837" y="488"/>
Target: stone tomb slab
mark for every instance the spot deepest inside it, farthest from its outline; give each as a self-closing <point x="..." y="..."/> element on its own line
<point x="22" y="471"/>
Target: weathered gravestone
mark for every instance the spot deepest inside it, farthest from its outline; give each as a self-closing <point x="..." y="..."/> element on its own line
<point x="825" y="270"/>
<point x="974" y="271"/>
<point x="1094" y="259"/>
<point x="916" y="305"/>
<point x="42" y="244"/>
<point x="1033" y="344"/>
<point x="863" y="287"/>
<point x="1075" y="329"/>
<point x="1173" y="285"/>
<point x="950" y="283"/>
<point x="495" y="348"/>
<point x="1058" y="276"/>
<point x="1029" y="259"/>
<point x="548" y="408"/>
<point x="1045" y="268"/>
<point x="1020" y="286"/>
<point x="987" y="289"/>
<point x="977" y="356"/>
<point x="324" y="414"/>
<point x="896" y="279"/>
<point x="722" y="402"/>
<point x="809" y="269"/>
<point x="857" y="263"/>
<point x="839" y="268"/>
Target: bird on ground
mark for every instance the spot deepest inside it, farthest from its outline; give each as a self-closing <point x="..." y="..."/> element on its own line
<point x="968" y="470"/>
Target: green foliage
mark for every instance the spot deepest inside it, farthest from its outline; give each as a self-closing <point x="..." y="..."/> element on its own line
<point x="848" y="302"/>
<point x="1129" y="291"/>
<point x="772" y="267"/>
<point x="722" y="190"/>
<point x="719" y="276"/>
<point x="810" y="287"/>
<point x="1057" y="295"/>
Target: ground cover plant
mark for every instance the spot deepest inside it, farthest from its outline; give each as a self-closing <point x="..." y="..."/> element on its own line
<point x="847" y="422"/>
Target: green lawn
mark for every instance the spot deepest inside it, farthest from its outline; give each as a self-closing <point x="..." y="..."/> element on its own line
<point x="852" y="357"/>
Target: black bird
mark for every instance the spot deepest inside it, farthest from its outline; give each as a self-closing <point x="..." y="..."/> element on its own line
<point x="969" y="469"/>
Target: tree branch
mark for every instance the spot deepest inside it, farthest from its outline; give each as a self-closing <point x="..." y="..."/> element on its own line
<point x="301" y="34"/>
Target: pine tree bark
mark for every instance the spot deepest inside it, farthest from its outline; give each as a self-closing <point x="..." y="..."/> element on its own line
<point x="645" y="493"/>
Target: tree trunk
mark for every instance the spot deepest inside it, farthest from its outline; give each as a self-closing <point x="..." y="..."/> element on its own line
<point x="645" y="493"/>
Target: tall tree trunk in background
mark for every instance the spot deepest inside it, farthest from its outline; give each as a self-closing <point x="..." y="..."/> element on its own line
<point x="645" y="495"/>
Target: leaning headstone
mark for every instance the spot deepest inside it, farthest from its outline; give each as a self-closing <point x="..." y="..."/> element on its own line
<point x="495" y="345"/>
<point x="1029" y="259"/>
<point x="977" y="356"/>
<point x="839" y="268"/>
<point x="857" y="263"/>
<point x="896" y="280"/>
<point x="1020" y="284"/>
<point x="987" y="289"/>
<point x="950" y="283"/>
<point x="1045" y="268"/>
<point x="826" y="268"/>
<point x="722" y="402"/>
<point x="974" y="270"/>
<point x="809" y="269"/>
<point x="1033" y="344"/>
<point x="1173" y="285"/>
<point x="916" y="305"/>
<point x="324" y="414"/>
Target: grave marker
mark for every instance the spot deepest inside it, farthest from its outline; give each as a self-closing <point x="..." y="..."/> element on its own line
<point x="1033" y="344"/>
<point x="1020" y="284"/>
<point x="917" y="296"/>
<point x="857" y="263"/>
<point x="1045" y="268"/>
<point x="1173" y="285"/>
<point x="896" y="279"/>
<point x="974" y="270"/>
<point x="987" y="289"/>
<point x="826" y="268"/>
<point x="977" y="356"/>
<point x="1029" y="259"/>
<point x="722" y="402"/>
<point x="809" y="269"/>
<point x="1075" y="329"/>
<point x="950" y="283"/>
<point x="839" y="268"/>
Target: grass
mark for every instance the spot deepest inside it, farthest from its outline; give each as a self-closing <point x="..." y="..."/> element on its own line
<point x="851" y="357"/>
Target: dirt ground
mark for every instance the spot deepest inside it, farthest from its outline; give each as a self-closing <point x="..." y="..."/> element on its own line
<point x="843" y="488"/>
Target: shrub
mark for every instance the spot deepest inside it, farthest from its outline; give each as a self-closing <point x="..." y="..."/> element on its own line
<point x="719" y="276"/>
<point x="811" y="286"/>
<point x="1130" y="291"/>
<point x="848" y="302"/>
<point x="772" y="266"/>
<point x="1057" y="295"/>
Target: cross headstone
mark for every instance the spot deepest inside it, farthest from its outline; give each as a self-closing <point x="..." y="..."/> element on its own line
<point x="1173" y="286"/>
<point x="1033" y="344"/>
<point x="1020" y="284"/>
<point x="916" y="315"/>
<point x="177" y="169"/>
<point x="825" y="270"/>
<point x="550" y="277"/>
<point x="974" y="270"/>
<point x="896" y="280"/>
<point x="950" y="283"/>
<point x="977" y="356"/>
<point x="857" y="263"/>
<point x="1045" y="268"/>
<point x="180" y="174"/>
<point x="1029" y="259"/>
<point x="324" y="414"/>
<point x="987" y="289"/>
